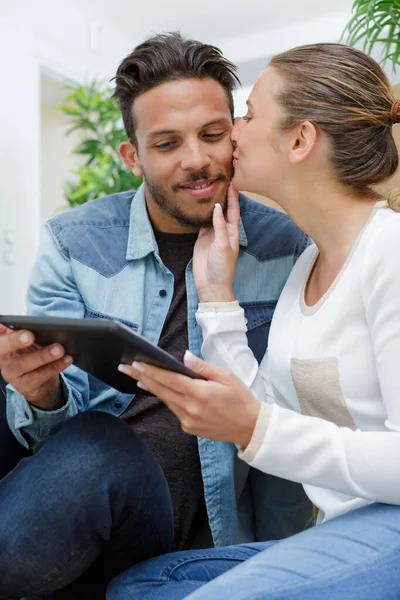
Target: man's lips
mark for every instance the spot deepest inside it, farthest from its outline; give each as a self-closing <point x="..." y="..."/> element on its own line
<point x="197" y="185"/>
<point x="201" y="189"/>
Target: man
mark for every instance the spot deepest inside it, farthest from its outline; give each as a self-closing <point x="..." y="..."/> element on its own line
<point x="128" y="257"/>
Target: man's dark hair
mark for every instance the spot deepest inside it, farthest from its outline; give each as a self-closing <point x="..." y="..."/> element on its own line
<point x="169" y="57"/>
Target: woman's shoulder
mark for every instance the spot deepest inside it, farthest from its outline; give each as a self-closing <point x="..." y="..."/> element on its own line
<point x="307" y="257"/>
<point x="381" y="248"/>
<point x="302" y="268"/>
<point x="383" y="232"/>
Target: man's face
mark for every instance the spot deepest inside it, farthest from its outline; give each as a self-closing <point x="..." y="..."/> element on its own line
<point x="184" y="151"/>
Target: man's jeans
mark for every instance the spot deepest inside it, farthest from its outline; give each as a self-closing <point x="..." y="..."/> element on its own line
<point x="90" y="502"/>
<point x="353" y="557"/>
<point x="11" y="450"/>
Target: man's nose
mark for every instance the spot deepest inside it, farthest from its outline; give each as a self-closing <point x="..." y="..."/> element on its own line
<point x="195" y="157"/>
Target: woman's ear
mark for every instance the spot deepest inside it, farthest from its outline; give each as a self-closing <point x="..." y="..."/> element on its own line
<point x="303" y="142"/>
<point x="130" y="157"/>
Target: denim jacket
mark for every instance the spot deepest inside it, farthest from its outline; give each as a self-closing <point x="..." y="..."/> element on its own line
<point x="101" y="260"/>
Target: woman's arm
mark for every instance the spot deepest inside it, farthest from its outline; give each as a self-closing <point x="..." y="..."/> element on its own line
<point x="314" y="451"/>
<point x="277" y="440"/>
<point x="225" y="345"/>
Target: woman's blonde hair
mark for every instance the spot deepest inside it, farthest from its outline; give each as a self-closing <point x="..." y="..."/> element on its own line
<point x="394" y="199"/>
<point x="346" y="94"/>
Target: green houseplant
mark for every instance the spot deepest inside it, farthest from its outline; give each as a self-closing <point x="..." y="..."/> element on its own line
<point x="376" y="23"/>
<point x="96" y="116"/>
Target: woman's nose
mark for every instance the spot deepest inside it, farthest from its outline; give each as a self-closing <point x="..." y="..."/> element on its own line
<point x="235" y="129"/>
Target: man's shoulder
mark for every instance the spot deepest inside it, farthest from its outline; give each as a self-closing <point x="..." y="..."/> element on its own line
<point x="83" y="232"/>
<point x="270" y="232"/>
<point x="107" y="211"/>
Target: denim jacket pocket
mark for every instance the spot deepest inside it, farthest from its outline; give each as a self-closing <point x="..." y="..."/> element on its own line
<point x="258" y="317"/>
<point x="94" y="314"/>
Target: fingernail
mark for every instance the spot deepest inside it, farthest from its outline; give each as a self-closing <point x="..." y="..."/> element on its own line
<point x="138" y="366"/>
<point x="55" y="351"/>
<point x="218" y="208"/>
<point x="190" y="358"/>
<point x="124" y="369"/>
<point x="142" y="386"/>
<point x="67" y="360"/>
<point x="25" y="337"/>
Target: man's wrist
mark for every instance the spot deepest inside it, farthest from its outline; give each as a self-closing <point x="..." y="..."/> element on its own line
<point x="54" y="400"/>
<point x="60" y="398"/>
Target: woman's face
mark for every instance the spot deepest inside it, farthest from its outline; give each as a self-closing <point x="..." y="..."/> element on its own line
<point x="261" y="148"/>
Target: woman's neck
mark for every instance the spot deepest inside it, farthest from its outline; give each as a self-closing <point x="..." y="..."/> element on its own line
<point x="331" y="216"/>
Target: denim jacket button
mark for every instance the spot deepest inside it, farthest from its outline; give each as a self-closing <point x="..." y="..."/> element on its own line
<point x="163" y="293"/>
<point x="118" y="404"/>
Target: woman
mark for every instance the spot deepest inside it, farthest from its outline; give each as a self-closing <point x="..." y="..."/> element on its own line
<point x="323" y="408"/>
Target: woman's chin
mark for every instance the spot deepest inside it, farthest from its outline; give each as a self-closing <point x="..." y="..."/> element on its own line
<point x="240" y="182"/>
<point x="244" y="183"/>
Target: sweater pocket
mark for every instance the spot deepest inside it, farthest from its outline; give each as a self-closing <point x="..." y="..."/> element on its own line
<point x="318" y="389"/>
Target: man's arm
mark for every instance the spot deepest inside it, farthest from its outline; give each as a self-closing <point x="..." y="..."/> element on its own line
<point x="39" y="397"/>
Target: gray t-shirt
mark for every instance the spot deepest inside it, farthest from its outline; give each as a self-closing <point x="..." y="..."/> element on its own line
<point x="176" y="451"/>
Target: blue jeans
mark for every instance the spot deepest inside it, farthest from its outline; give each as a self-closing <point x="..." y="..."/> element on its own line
<point x="353" y="557"/>
<point x="90" y="502"/>
<point x="11" y="450"/>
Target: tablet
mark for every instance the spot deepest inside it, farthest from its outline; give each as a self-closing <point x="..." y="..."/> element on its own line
<point x="98" y="346"/>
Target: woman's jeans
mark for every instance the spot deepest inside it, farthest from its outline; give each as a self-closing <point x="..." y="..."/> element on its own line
<point x="89" y="503"/>
<point x="353" y="557"/>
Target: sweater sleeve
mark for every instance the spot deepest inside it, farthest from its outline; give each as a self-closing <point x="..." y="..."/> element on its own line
<point x="310" y="450"/>
<point x="381" y="295"/>
<point x="315" y="452"/>
<point x="225" y="345"/>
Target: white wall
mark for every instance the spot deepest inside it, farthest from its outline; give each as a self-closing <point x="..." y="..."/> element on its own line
<point x="50" y="36"/>
<point x="322" y="28"/>
<point x="19" y="162"/>
<point x="56" y="159"/>
<point x="240" y="96"/>
<point x="255" y="50"/>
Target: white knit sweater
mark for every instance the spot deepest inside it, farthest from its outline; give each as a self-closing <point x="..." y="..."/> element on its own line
<point x="330" y="383"/>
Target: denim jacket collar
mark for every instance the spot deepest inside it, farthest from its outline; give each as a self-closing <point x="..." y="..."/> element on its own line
<point x="141" y="240"/>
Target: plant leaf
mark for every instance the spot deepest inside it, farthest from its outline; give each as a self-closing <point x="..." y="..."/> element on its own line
<point x="375" y="23"/>
<point x="96" y="115"/>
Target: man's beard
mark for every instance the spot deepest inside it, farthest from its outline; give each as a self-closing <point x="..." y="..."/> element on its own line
<point x="161" y="199"/>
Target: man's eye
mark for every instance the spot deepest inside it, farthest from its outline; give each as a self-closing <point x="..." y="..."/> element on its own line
<point x="246" y="118"/>
<point x="165" y="146"/>
<point x="213" y="136"/>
